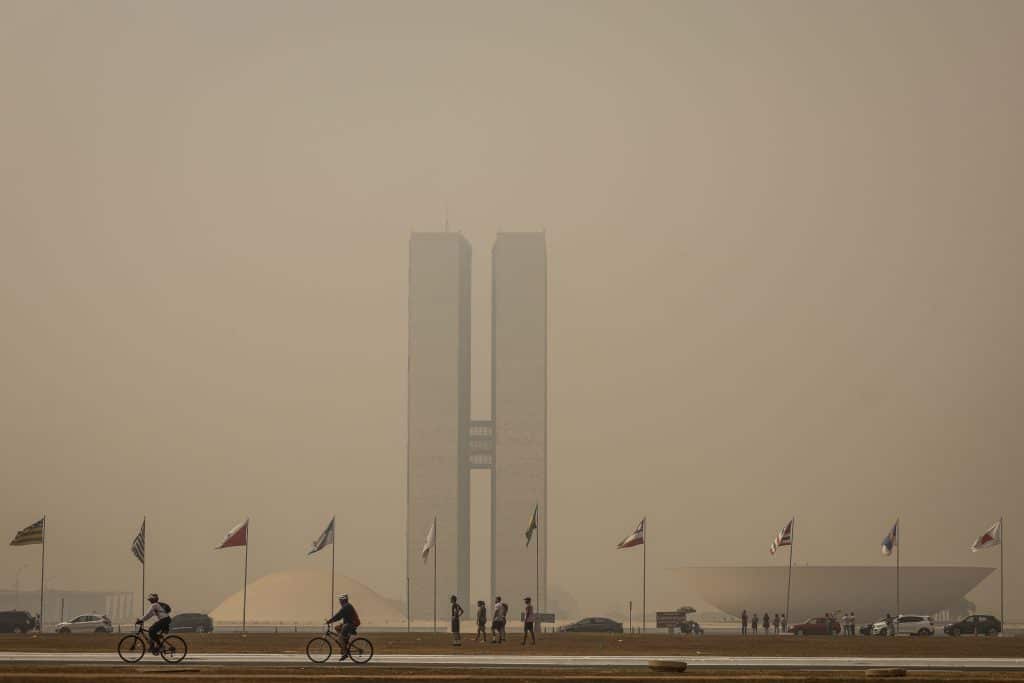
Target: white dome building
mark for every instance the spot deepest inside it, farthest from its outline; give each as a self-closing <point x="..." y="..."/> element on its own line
<point x="302" y="596"/>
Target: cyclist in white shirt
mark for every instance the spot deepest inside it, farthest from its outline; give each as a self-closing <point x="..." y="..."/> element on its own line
<point x="162" y="612"/>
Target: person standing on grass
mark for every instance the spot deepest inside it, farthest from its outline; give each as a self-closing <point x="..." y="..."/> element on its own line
<point x="743" y="623"/>
<point x="481" y="620"/>
<point x="528" y="619"/>
<point x="457" y="613"/>
<point x="766" y="622"/>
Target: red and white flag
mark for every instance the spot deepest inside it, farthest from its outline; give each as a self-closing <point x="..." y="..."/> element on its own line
<point x="992" y="537"/>
<point x="784" y="537"/>
<point x="635" y="538"/>
<point x="236" y="537"/>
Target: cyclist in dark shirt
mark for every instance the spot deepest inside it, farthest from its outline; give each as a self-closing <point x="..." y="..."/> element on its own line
<point x="349" y="619"/>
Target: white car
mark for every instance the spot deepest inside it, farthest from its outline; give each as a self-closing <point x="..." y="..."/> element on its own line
<point x="86" y="623"/>
<point x="912" y="624"/>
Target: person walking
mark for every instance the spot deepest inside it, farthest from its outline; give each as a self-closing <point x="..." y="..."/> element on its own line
<point x="457" y="613"/>
<point x="498" y="623"/>
<point x="528" y="620"/>
<point x="481" y="621"/>
<point x="743" y="623"/>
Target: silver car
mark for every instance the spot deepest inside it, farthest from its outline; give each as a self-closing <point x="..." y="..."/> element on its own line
<point x="912" y="624"/>
<point x="86" y="623"/>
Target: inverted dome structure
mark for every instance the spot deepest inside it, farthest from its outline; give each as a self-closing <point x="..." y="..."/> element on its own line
<point x="302" y="596"/>
<point x="870" y="591"/>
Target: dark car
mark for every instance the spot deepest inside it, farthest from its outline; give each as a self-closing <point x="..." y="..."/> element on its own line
<point x="192" y="621"/>
<point x="817" y="626"/>
<point x="16" y="621"/>
<point x="978" y="624"/>
<point x="594" y="625"/>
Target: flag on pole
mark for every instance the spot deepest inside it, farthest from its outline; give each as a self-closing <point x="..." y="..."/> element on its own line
<point x="325" y="539"/>
<point x="532" y="526"/>
<point x="783" y="538"/>
<point x="238" y="536"/>
<point x="992" y="537"/>
<point x="431" y="540"/>
<point x="892" y="539"/>
<point x="139" y="544"/>
<point x="30" y="535"/>
<point x="635" y="538"/>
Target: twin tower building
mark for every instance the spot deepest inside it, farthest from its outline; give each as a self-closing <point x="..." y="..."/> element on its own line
<point x="445" y="444"/>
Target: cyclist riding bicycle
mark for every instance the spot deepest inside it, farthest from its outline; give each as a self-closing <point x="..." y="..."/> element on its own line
<point x="349" y="619"/>
<point x="162" y="612"/>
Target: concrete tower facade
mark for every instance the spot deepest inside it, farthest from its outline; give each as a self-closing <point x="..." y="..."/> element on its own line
<point x="438" y="415"/>
<point x="444" y="445"/>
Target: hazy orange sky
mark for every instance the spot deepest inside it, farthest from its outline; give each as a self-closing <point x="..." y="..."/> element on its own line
<point x="784" y="247"/>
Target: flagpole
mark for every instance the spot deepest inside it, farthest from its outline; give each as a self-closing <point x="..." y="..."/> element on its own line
<point x="789" y="575"/>
<point x="42" y="578"/>
<point x="537" y="530"/>
<point x="333" y="552"/>
<point x="435" y="573"/>
<point x="245" y="575"/>
<point x="408" y="606"/>
<point x="643" y="584"/>
<point x="1002" y="540"/>
<point x="899" y="539"/>
<point x="142" y="596"/>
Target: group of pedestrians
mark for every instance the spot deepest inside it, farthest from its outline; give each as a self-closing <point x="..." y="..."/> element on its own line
<point x="499" y="618"/>
<point x="770" y="624"/>
<point x="848" y="622"/>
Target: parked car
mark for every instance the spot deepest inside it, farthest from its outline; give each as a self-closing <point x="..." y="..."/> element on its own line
<point x="16" y="621"/>
<point x="192" y="621"/>
<point x="914" y="624"/>
<point x="978" y="624"/>
<point x="86" y="623"/>
<point x="817" y="626"/>
<point x="593" y="625"/>
<point x="689" y="627"/>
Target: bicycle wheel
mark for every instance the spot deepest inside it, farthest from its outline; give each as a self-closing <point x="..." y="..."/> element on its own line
<point x="131" y="649"/>
<point x="318" y="650"/>
<point x="173" y="649"/>
<point x="360" y="650"/>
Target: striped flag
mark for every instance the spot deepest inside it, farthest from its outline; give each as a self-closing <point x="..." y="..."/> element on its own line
<point x="532" y="525"/>
<point x="893" y="538"/>
<point x="139" y="544"/>
<point x="993" y="536"/>
<point x="325" y="539"/>
<point x="635" y="538"/>
<point x="30" y="535"/>
<point x="784" y="537"/>
<point x="238" y="536"/>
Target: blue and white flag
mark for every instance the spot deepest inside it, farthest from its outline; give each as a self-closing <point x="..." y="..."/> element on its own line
<point x="892" y="539"/>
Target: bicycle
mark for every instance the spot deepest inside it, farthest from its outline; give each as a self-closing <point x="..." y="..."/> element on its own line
<point x="133" y="647"/>
<point x="320" y="649"/>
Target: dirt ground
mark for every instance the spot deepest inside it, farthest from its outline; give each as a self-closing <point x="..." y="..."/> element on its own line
<point x="563" y="644"/>
<point x="374" y="674"/>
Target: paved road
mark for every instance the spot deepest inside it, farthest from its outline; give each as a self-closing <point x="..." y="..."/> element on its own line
<point x="515" y="661"/>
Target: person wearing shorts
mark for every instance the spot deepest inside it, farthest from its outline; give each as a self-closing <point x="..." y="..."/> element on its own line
<point x="498" y="624"/>
<point x="481" y="621"/>
<point x="457" y="612"/>
<point x="529" y="616"/>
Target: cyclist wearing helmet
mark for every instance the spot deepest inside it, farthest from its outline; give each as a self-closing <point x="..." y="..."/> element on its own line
<point x="162" y="612"/>
<point x="349" y="619"/>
